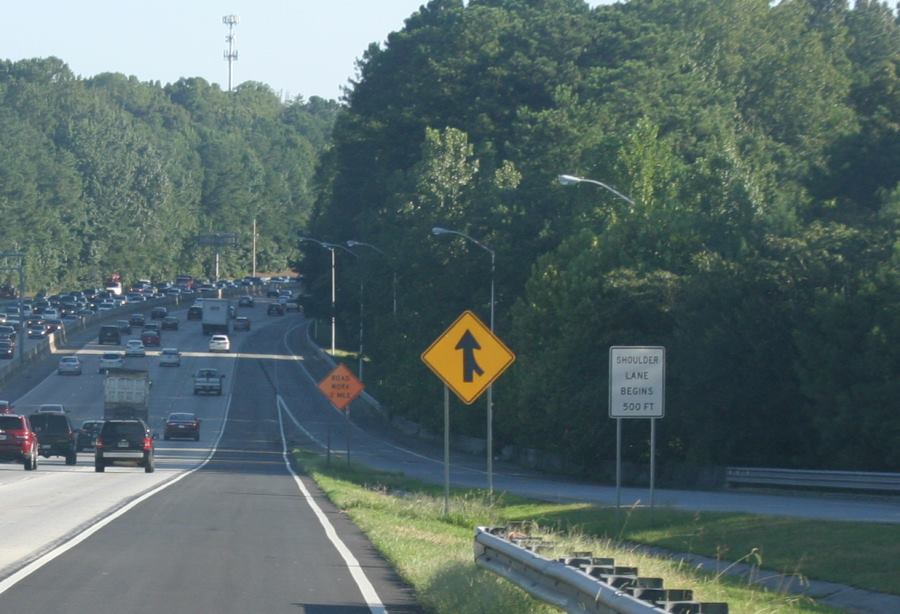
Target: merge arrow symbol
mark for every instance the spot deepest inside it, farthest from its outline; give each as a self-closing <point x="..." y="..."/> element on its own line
<point x="468" y="344"/>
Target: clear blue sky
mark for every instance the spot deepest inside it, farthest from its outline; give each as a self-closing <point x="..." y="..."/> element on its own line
<point x="298" y="47"/>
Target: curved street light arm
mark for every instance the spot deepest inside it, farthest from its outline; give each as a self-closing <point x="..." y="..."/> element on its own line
<point x="437" y="231"/>
<point x="573" y="180"/>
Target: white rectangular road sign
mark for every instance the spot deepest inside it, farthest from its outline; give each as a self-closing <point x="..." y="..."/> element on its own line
<point x="637" y="382"/>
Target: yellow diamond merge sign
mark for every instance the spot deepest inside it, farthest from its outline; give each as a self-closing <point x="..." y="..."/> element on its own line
<point x="468" y="357"/>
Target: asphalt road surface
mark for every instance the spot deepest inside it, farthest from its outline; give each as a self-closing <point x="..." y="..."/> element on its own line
<point x="223" y="526"/>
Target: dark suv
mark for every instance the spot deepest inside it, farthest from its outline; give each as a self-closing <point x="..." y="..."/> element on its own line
<point x="124" y="441"/>
<point x="17" y="441"/>
<point x="56" y="435"/>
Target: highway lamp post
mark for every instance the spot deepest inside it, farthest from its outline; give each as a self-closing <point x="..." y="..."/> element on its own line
<point x="352" y="243"/>
<point x="438" y="231"/>
<point x="333" y="295"/>
<point x="575" y="180"/>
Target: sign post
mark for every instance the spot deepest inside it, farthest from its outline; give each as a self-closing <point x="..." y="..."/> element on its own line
<point x="341" y="387"/>
<point x="637" y="389"/>
<point x="467" y="357"/>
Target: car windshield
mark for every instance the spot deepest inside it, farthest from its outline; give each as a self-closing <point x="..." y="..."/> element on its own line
<point x="181" y="417"/>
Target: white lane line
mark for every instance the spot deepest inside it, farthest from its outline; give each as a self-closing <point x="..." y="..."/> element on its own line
<point x="13" y="579"/>
<point x="373" y="601"/>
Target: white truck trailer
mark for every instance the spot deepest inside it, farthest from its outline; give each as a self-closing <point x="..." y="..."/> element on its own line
<point x="126" y="394"/>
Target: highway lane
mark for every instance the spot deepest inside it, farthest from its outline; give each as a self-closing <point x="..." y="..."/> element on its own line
<point x="424" y="460"/>
<point x="74" y="495"/>
<point x="238" y="535"/>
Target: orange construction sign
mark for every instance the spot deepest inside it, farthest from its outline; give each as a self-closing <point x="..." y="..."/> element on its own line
<point x="341" y="387"/>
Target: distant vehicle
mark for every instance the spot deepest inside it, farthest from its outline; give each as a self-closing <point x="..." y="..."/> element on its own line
<point x="275" y="309"/>
<point x="18" y="442"/>
<point x="56" y="435"/>
<point x="195" y="312"/>
<point x="37" y="331"/>
<point x="219" y="343"/>
<point x="6" y="407"/>
<point x="170" y="323"/>
<point x="185" y="282"/>
<point x="7" y="349"/>
<point x="215" y="316"/>
<point x="124" y="326"/>
<point x="126" y="394"/>
<point x="54" y="325"/>
<point x="110" y="335"/>
<point x="114" y="285"/>
<point x="124" y="440"/>
<point x="151" y="338"/>
<point x="69" y="365"/>
<point x="182" y="424"/>
<point x="158" y="313"/>
<point x="245" y="301"/>
<point x="170" y="357"/>
<point x="111" y="360"/>
<point x="87" y="434"/>
<point x="52" y="408"/>
<point x="135" y="347"/>
<point x="137" y="319"/>
<point x="241" y="323"/>
<point x="208" y="381"/>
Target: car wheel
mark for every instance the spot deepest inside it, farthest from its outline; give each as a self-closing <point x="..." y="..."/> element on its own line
<point x="148" y="466"/>
<point x="29" y="462"/>
<point x="99" y="467"/>
<point x="71" y="458"/>
<point x="197" y="437"/>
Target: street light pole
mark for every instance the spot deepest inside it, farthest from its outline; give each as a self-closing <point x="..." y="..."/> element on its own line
<point x="330" y="247"/>
<point x="574" y="179"/>
<point x="437" y="231"/>
<point x="352" y="243"/>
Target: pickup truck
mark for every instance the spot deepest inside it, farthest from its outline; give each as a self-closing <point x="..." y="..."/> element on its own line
<point x="208" y="381"/>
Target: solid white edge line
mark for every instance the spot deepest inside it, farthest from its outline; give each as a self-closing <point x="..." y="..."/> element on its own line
<point x="373" y="601"/>
<point x="16" y="577"/>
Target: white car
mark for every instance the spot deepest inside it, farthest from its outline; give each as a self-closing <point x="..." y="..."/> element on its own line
<point x="135" y="347"/>
<point x="219" y="343"/>
<point x="170" y="357"/>
<point x="69" y="364"/>
<point x="51" y="408"/>
<point x="111" y="360"/>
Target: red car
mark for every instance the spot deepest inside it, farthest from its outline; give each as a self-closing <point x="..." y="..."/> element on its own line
<point x="182" y="424"/>
<point x="150" y="338"/>
<point x="17" y="441"/>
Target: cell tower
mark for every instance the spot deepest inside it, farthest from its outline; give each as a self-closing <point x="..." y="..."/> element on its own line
<point x="231" y="54"/>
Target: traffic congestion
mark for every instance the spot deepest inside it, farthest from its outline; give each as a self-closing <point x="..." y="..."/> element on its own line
<point x="133" y="337"/>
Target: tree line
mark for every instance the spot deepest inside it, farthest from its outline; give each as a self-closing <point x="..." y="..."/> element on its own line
<point x="113" y="175"/>
<point x="757" y="148"/>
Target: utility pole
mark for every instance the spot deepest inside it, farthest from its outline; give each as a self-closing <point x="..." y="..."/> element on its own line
<point x="254" y="246"/>
<point x="231" y="54"/>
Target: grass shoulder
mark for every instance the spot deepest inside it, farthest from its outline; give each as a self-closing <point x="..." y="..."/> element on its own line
<point x="434" y="553"/>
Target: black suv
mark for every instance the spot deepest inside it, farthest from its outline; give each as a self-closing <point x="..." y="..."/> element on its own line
<point x="56" y="435"/>
<point x="110" y="335"/>
<point x="124" y="441"/>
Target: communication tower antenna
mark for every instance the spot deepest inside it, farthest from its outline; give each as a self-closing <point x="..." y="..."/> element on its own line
<point x="231" y="54"/>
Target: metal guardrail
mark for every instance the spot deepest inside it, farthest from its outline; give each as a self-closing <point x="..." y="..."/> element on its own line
<point x="813" y="479"/>
<point x="580" y="584"/>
